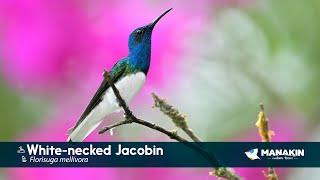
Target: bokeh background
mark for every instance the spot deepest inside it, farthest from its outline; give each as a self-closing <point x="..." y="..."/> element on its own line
<point x="215" y="60"/>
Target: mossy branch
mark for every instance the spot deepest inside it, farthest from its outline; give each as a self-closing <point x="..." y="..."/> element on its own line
<point x="177" y="118"/>
<point x="180" y="121"/>
<point x="266" y="134"/>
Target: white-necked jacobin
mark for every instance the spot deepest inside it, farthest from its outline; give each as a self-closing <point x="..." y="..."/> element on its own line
<point x="128" y="75"/>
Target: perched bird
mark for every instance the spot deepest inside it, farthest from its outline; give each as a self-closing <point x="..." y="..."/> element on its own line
<point x="128" y="75"/>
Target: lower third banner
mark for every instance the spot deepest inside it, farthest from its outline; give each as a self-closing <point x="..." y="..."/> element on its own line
<point x="159" y="154"/>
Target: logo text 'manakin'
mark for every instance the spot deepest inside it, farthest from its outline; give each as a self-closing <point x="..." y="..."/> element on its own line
<point x="282" y="152"/>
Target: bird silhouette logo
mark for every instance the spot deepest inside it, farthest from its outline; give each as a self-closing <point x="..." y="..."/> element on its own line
<point x="21" y="150"/>
<point x="252" y="154"/>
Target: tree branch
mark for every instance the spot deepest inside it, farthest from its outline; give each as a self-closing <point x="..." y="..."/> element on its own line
<point x="177" y="118"/>
<point x="107" y="128"/>
<point x="122" y="103"/>
<point x="180" y="121"/>
<point x="130" y="118"/>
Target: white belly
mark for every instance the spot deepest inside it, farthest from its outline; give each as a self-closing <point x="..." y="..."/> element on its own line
<point x="128" y="88"/>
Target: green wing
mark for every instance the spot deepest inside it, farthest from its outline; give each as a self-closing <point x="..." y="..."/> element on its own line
<point x="116" y="73"/>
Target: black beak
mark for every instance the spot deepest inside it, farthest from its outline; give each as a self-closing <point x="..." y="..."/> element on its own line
<point x="157" y="20"/>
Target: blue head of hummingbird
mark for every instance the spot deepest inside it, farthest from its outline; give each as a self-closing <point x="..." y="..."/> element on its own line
<point x="128" y="75"/>
<point x="140" y="44"/>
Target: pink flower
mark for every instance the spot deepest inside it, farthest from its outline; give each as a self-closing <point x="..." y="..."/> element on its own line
<point x="42" y="40"/>
<point x="63" y="173"/>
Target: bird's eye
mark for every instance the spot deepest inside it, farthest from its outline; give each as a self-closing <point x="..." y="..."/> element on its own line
<point x="139" y="34"/>
<point x="139" y="31"/>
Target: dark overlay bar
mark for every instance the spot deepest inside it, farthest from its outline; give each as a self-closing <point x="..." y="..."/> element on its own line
<point x="159" y="154"/>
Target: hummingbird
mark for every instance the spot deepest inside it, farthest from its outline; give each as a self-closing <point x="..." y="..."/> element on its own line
<point x="128" y="75"/>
